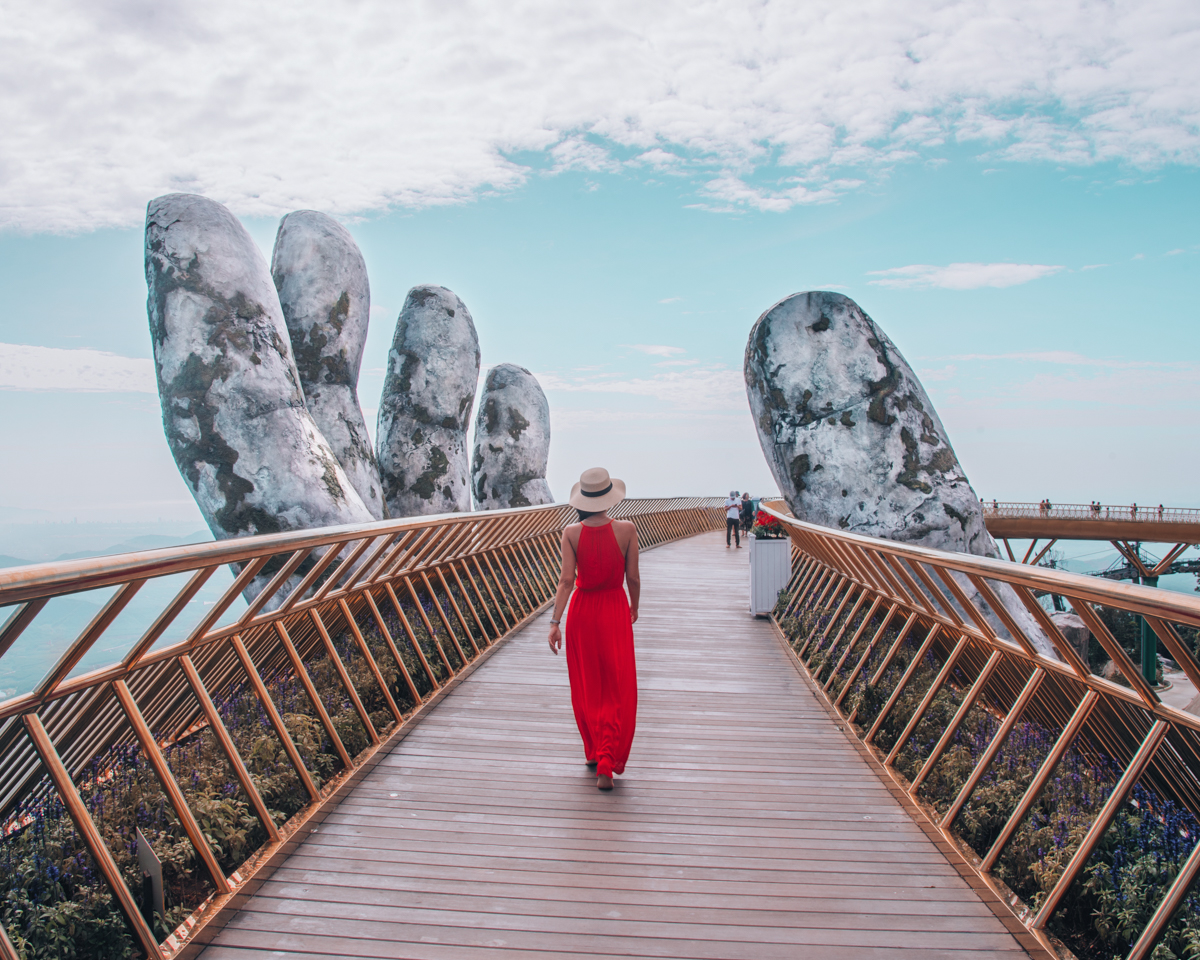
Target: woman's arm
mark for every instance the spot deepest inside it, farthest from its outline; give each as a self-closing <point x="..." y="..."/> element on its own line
<point x="633" y="576"/>
<point x="566" y="580"/>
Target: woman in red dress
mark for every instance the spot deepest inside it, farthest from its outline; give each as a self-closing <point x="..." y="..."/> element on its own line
<point x="599" y="555"/>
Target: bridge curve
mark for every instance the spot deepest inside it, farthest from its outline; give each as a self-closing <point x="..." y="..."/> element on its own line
<point x="1083" y="521"/>
<point x="747" y="824"/>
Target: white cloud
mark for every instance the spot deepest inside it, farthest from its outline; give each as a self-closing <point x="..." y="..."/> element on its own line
<point x="671" y="300"/>
<point x="50" y="368"/>
<point x="655" y="350"/>
<point x="711" y="388"/>
<point x="948" y="372"/>
<point x="962" y="276"/>
<point x="354" y="107"/>
<point x="1064" y="358"/>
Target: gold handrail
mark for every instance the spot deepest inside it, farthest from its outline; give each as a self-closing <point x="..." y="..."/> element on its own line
<point x="980" y="619"/>
<point x="481" y="576"/>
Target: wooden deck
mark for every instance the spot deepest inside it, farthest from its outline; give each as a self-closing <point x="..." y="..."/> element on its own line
<point x="747" y="825"/>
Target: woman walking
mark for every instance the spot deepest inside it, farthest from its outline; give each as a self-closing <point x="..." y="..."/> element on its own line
<point x="599" y="555"/>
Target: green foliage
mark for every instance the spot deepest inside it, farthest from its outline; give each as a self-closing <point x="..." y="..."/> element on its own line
<point x="1139" y="856"/>
<point x="55" y="902"/>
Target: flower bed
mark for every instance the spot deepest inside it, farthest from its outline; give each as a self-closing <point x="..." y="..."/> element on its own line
<point x="1137" y="859"/>
<point x="56" y="903"/>
<point x="767" y="527"/>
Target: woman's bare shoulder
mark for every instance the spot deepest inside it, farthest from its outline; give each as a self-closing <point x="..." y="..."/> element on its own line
<point x="624" y="526"/>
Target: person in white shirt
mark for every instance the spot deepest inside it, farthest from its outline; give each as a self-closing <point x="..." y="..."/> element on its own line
<point x="733" y="511"/>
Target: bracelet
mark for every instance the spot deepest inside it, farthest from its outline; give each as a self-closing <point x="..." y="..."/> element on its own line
<point x="556" y="622"/>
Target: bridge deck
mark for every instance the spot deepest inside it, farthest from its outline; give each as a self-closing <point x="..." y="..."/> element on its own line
<point x="747" y="825"/>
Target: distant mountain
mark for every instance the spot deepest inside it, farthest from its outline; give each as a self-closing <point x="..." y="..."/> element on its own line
<point x="150" y="541"/>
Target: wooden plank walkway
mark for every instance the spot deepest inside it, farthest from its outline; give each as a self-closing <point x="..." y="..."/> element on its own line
<point x="746" y="826"/>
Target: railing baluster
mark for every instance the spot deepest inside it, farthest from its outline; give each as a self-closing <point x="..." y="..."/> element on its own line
<point x="280" y="728"/>
<point x="384" y="632"/>
<point x="344" y="676"/>
<point x="462" y="657"/>
<point x="862" y="627"/>
<point x="412" y="637"/>
<point x="167" y="781"/>
<point x="487" y="583"/>
<point x="217" y="725"/>
<point x="993" y="748"/>
<point x="466" y="596"/>
<point x="365" y="648"/>
<point x="1041" y="778"/>
<point x="457" y="611"/>
<point x="249" y="572"/>
<point x="904" y="678"/>
<point x="18" y="620"/>
<point x="168" y="616"/>
<point x="956" y="721"/>
<point x="859" y="665"/>
<point x="313" y="696"/>
<point x="1103" y="821"/>
<point x="92" y="632"/>
<point x="938" y="681"/>
<point x="430" y="632"/>
<point x="71" y="799"/>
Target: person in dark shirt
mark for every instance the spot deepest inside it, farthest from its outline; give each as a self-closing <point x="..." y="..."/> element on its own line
<point x="747" y="517"/>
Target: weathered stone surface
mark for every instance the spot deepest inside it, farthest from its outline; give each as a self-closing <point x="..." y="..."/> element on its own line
<point x="1076" y="632"/>
<point x="428" y="391"/>
<point x="849" y="432"/>
<point x="326" y="299"/>
<point x="233" y="411"/>
<point x="512" y="441"/>
<point x="853" y="440"/>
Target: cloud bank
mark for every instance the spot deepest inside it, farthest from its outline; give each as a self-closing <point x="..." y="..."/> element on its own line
<point x="24" y="367"/>
<point x="962" y="276"/>
<point x="361" y="107"/>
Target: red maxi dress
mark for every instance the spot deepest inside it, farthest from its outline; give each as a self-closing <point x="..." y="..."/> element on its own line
<point x="600" y="662"/>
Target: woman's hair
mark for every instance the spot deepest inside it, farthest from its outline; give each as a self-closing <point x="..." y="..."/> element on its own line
<point x="584" y="514"/>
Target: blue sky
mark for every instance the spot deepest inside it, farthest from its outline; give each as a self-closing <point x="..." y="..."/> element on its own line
<point x="1024" y="229"/>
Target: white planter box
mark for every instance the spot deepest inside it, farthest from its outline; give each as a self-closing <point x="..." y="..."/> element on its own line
<point x="770" y="571"/>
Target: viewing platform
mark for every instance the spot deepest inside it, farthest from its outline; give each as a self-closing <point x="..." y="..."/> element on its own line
<point x="375" y="754"/>
<point x="747" y="824"/>
<point x="1084" y="521"/>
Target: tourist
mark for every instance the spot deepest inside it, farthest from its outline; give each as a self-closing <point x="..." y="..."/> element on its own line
<point x="599" y="555"/>
<point x="747" y="513"/>
<point x="733" y="513"/>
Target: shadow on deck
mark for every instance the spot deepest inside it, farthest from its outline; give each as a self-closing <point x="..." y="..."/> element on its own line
<point x="747" y="824"/>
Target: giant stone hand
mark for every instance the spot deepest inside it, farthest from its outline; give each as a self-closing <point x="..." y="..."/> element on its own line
<point x="232" y="406"/>
<point x="326" y="300"/>
<point x="428" y="392"/>
<point x="853" y="440"/>
<point x="512" y="441"/>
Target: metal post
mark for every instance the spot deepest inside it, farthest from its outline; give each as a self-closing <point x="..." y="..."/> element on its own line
<point x="1149" y="642"/>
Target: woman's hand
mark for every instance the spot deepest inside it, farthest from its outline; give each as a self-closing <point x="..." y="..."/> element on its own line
<point x="633" y="614"/>
<point x="556" y="637"/>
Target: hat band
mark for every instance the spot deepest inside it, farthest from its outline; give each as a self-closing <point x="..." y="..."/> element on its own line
<point x="598" y="493"/>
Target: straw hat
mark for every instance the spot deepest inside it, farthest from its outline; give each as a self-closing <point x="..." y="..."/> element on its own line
<point x="596" y="491"/>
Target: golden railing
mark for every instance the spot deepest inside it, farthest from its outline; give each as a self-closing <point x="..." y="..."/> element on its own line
<point x="438" y="591"/>
<point x="855" y="590"/>
<point x="1128" y="512"/>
